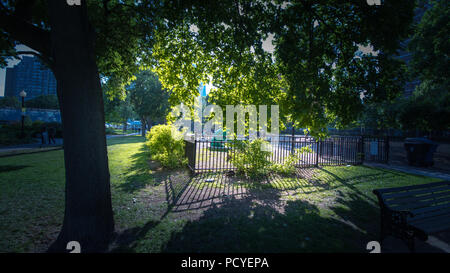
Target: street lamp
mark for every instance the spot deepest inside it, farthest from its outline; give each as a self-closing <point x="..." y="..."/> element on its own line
<point x="23" y="94"/>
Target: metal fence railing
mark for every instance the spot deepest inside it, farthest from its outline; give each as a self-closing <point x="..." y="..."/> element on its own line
<point x="210" y="154"/>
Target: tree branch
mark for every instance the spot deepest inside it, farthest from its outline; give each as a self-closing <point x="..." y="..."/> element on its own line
<point x="46" y="60"/>
<point x="26" y="33"/>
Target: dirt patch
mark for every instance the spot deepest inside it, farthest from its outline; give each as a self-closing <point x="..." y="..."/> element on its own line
<point x="155" y="165"/>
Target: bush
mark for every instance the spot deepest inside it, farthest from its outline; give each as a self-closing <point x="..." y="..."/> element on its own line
<point x="110" y="131"/>
<point x="166" y="148"/>
<point x="288" y="167"/>
<point x="11" y="134"/>
<point x="249" y="158"/>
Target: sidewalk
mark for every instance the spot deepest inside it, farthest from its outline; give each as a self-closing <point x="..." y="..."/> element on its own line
<point x="38" y="145"/>
<point x="113" y="136"/>
<point x="411" y="170"/>
<point x="35" y="145"/>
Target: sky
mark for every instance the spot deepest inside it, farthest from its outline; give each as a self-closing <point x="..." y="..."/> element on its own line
<point x="11" y="63"/>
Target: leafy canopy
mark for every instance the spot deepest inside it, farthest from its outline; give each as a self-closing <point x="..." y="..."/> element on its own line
<point x="314" y="72"/>
<point x="149" y="99"/>
<point x="311" y="68"/>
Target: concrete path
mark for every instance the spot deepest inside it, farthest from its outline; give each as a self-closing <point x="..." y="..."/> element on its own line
<point x="411" y="170"/>
<point x="37" y="145"/>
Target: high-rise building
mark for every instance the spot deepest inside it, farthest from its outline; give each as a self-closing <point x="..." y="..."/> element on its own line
<point x="406" y="55"/>
<point x="31" y="76"/>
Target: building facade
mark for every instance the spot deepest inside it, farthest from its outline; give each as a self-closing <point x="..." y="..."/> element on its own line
<point x="31" y="76"/>
<point x="406" y="55"/>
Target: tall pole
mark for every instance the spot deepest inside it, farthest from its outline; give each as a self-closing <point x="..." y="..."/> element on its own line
<point x="23" y="94"/>
<point x="23" y="118"/>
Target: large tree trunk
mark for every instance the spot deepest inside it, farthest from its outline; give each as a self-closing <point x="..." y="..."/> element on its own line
<point x="143" y="126"/>
<point x="88" y="216"/>
<point x="125" y="127"/>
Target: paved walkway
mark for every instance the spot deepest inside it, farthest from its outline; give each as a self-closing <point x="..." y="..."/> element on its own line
<point x="37" y="145"/>
<point x="411" y="170"/>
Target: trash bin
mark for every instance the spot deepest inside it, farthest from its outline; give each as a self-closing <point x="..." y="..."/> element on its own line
<point x="419" y="151"/>
<point x="218" y="142"/>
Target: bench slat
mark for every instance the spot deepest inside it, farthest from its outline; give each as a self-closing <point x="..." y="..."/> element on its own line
<point x="436" y="213"/>
<point x="397" y="189"/>
<point x="421" y="204"/>
<point x="423" y="197"/>
<point x="433" y="225"/>
<point x="415" y="192"/>
<point x="429" y="209"/>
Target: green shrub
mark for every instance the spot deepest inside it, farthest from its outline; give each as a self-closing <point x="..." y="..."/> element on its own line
<point x="288" y="167"/>
<point x="166" y="147"/>
<point x="110" y="131"/>
<point x="249" y="159"/>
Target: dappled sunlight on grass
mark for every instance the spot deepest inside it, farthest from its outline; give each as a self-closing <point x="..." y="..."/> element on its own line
<point x="316" y="209"/>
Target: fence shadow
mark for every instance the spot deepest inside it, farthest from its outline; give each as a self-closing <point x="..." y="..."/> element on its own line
<point x="236" y="214"/>
<point x="205" y="190"/>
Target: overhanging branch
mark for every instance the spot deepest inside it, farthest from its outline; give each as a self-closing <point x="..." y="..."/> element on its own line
<point x="26" y="33"/>
<point x="46" y="60"/>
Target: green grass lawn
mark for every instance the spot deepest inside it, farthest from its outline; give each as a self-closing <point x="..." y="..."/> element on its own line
<point x="121" y="132"/>
<point x="325" y="210"/>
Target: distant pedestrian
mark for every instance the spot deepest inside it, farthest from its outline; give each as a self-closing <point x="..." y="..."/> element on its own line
<point x="44" y="135"/>
<point x="51" y="135"/>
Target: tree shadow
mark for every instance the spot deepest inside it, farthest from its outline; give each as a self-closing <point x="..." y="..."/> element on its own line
<point x="346" y="182"/>
<point x="208" y="189"/>
<point x="10" y="168"/>
<point x="127" y="240"/>
<point x="245" y="225"/>
<point x="139" y="174"/>
<point x="236" y="214"/>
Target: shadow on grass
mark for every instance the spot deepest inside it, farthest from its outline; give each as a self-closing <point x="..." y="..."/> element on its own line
<point x="126" y="241"/>
<point x="9" y="168"/>
<point x="351" y="186"/>
<point x="206" y="189"/>
<point x="235" y="214"/>
<point x="144" y="172"/>
<point x="243" y="225"/>
<point x="139" y="174"/>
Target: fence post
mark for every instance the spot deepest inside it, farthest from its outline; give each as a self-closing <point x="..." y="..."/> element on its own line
<point x="317" y="152"/>
<point x="387" y="149"/>
<point x="363" y="152"/>
<point x="293" y="141"/>
<point x="189" y="152"/>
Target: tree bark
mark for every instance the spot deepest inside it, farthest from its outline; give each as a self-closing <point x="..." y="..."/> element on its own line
<point x="88" y="216"/>
<point x="143" y="126"/>
<point x="125" y="127"/>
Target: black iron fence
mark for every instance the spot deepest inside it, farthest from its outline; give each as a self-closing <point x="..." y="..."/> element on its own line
<point x="210" y="154"/>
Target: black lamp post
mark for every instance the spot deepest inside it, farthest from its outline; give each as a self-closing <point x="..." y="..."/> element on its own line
<point x="23" y="94"/>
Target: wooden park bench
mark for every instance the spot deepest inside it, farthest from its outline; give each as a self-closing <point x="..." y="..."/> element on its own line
<point x="414" y="211"/>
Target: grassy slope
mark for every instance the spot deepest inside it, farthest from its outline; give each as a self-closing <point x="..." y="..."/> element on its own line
<point x="334" y="211"/>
